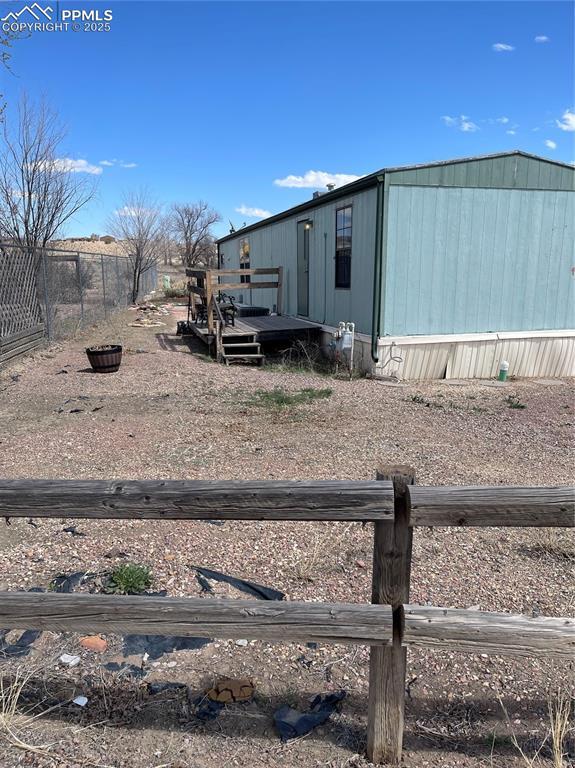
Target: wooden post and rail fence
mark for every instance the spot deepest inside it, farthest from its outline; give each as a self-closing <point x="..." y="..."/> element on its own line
<point x="206" y="283"/>
<point x="389" y="625"/>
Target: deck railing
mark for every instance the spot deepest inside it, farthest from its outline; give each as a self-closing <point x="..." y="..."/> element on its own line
<point x="389" y="625"/>
<point x="206" y="283"/>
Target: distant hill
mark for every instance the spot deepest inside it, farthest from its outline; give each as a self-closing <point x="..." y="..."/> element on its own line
<point x="90" y="245"/>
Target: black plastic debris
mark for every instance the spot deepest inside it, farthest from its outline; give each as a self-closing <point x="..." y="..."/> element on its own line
<point x="23" y="645"/>
<point x="124" y="669"/>
<point x="206" y="709"/>
<point x="20" y="647"/>
<point x="69" y="582"/>
<point x="157" y="645"/>
<point x="249" y="587"/>
<point x="204" y="583"/>
<point x="73" y="530"/>
<point x="291" y="723"/>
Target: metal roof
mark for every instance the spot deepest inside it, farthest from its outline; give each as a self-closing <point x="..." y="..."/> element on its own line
<point x="370" y="180"/>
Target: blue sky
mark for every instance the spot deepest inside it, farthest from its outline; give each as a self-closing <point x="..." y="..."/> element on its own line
<point x="220" y="100"/>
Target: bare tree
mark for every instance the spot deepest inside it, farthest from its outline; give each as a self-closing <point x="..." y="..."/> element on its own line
<point x="39" y="190"/>
<point x="168" y="248"/>
<point x="6" y="39"/>
<point x="139" y="227"/>
<point x="191" y="226"/>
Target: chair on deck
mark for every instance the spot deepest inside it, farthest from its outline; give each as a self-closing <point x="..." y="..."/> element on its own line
<point x="227" y="308"/>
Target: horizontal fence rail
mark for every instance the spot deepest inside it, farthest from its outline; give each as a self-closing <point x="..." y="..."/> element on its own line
<point x="197" y="500"/>
<point x="357" y="500"/>
<point x="350" y="623"/>
<point x="496" y="505"/>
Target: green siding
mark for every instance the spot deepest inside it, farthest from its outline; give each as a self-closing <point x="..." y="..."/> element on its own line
<point x="276" y="245"/>
<point x="465" y="260"/>
<point x="481" y="244"/>
<point x="515" y="171"/>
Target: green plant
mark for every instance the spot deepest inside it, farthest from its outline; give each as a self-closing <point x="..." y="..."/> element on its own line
<point x="280" y="398"/>
<point x="129" y="579"/>
<point x="513" y="401"/>
<point x="417" y="398"/>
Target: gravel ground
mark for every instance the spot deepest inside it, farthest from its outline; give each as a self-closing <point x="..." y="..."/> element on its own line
<point x="171" y="413"/>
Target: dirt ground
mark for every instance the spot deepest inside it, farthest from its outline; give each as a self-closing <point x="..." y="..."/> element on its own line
<point x="172" y="413"/>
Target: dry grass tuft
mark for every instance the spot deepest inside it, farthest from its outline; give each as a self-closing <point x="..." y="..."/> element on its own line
<point x="561" y="711"/>
<point x="560" y="706"/>
<point x="17" y="724"/>
<point x="555" y="542"/>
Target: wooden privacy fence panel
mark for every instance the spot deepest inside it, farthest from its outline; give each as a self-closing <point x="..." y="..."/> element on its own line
<point x="20" y="343"/>
<point x="19" y="303"/>
<point x="389" y="625"/>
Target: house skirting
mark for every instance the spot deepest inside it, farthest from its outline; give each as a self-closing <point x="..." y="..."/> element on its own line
<point x="477" y="355"/>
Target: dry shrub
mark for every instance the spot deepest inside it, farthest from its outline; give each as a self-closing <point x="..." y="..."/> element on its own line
<point x="556" y="542"/>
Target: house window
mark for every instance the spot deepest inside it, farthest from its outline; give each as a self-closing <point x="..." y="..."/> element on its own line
<point x="343" y="247"/>
<point x="245" y="259"/>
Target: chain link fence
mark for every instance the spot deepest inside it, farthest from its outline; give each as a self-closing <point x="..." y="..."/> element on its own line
<point x="62" y="291"/>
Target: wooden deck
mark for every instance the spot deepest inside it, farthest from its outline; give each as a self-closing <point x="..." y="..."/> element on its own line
<point x="267" y="328"/>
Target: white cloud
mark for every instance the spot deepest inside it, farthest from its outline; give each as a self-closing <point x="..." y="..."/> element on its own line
<point x="126" y="210"/>
<point x="254" y="213"/>
<point x="121" y="163"/>
<point x="550" y="144"/>
<point x="541" y="39"/>
<point x="316" y="180"/>
<point x="69" y="165"/>
<point x="503" y="120"/>
<point x="462" y="123"/>
<point x="567" y="123"/>
<point x="511" y="132"/>
<point x="468" y="127"/>
<point x="499" y="47"/>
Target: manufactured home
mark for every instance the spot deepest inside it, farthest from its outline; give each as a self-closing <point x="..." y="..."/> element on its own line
<point x="446" y="269"/>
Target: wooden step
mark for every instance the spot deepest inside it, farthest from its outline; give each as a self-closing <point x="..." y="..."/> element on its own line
<point x="246" y="356"/>
<point x="227" y="358"/>
<point x="248" y="348"/>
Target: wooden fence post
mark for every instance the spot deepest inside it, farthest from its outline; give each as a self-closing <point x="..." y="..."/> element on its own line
<point x="209" y="294"/>
<point x="390" y="585"/>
